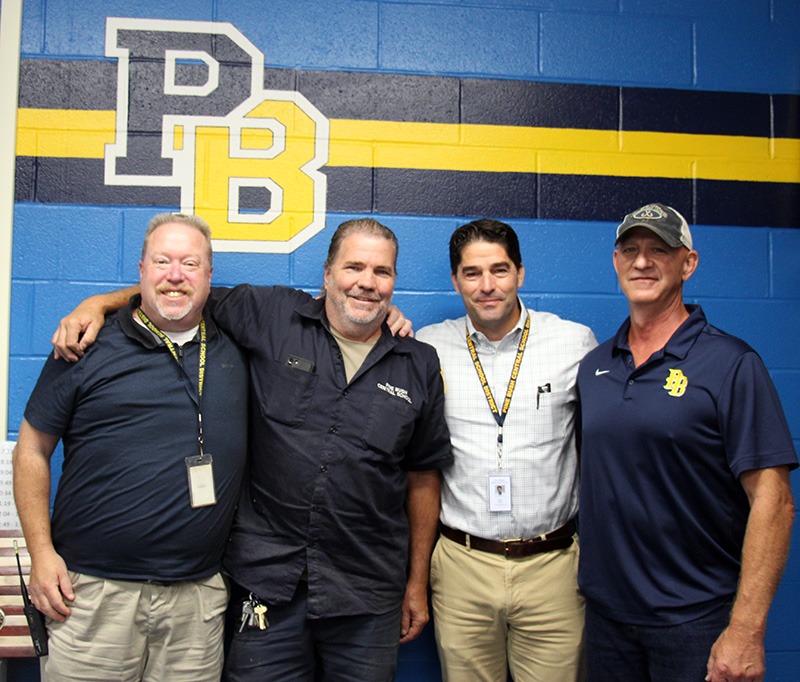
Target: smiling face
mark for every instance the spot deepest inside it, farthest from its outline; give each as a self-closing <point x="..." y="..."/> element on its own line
<point x="488" y="282"/>
<point x="359" y="285"/>
<point x="652" y="273"/>
<point x="175" y="276"/>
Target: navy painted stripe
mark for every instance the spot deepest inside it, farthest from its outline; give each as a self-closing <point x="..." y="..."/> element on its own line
<point x="570" y="197"/>
<point x="81" y="181"/>
<point x="60" y="84"/>
<point x="450" y="193"/>
<point x="786" y="115"/>
<point x="696" y="112"/>
<point x="68" y="84"/>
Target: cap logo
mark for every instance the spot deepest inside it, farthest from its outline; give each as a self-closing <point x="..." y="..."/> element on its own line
<point x="651" y="212"/>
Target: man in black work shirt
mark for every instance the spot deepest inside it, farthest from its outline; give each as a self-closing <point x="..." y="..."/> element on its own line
<point x="335" y="530"/>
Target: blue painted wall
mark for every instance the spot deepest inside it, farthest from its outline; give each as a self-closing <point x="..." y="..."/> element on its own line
<point x="749" y="275"/>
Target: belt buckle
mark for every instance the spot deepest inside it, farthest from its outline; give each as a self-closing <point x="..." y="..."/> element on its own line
<point x="507" y="544"/>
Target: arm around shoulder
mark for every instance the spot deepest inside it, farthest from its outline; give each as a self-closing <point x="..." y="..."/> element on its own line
<point x="78" y="330"/>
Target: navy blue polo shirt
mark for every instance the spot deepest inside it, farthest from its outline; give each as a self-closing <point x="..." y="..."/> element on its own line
<point x="329" y="459"/>
<point x="127" y="415"/>
<point x="662" y="512"/>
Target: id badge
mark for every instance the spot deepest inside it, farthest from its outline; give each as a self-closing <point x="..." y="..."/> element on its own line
<point x="499" y="493"/>
<point x="201" y="480"/>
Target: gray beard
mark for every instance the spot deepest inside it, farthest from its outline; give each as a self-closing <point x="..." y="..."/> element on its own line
<point x="174" y="316"/>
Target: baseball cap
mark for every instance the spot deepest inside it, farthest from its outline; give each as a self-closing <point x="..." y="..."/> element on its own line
<point x="664" y="220"/>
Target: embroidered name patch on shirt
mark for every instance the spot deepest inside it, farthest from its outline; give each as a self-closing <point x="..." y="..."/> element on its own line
<point x="397" y="392"/>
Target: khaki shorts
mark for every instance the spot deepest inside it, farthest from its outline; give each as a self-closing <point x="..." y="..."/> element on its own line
<point x="130" y="631"/>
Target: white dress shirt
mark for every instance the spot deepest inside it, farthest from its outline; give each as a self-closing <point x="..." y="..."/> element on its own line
<point x="538" y="451"/>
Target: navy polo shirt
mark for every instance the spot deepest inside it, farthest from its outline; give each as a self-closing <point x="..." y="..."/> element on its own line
<point x="127" y="415"/>
<point x="328" y="481"/>
<point x="662" y="512"/>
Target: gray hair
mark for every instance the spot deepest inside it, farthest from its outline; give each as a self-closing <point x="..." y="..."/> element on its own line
<point x="194" y="221"/>
<point x="368" y="226"/>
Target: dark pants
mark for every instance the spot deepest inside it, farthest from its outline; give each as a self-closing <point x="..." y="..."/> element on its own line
<point x="617" y="652"/>
<point x="295" y="648"/>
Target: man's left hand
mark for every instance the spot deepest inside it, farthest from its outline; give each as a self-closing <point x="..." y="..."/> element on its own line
<point x="415" y="613"/>
<point x="737" y="656"/>
<point x="398" y="324"/>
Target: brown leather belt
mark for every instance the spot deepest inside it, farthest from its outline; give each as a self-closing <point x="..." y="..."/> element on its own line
<point x="560" y="538"/>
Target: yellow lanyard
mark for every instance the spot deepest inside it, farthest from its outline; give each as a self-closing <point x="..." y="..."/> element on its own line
<point x="201" y="364"/>
<point x="500" y="415"/>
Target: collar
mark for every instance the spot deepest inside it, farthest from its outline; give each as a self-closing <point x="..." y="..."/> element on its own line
<point x="139" y="333"/>
<point x="515" y="330"/>
<point x="679" y="343"/>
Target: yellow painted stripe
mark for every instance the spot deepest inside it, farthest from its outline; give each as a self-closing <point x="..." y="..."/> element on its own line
<point x="65" y="133"/>
<point x="464" y="147"/>
<point x="480" y="148"/>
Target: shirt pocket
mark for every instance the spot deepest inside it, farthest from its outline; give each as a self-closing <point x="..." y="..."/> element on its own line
<point x="390" y="424"/>
<point x="550" y="416"/>
<point x="290" y="393"/>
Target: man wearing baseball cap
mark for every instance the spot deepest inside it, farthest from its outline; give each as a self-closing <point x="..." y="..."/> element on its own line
<point x="685" y="506"/>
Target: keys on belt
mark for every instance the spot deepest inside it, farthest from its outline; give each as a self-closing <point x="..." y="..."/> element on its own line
<point x="254" y="614"/>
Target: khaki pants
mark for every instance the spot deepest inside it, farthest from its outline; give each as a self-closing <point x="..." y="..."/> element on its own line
<point x="491" y="612"/>
<point x="129" y="631"/>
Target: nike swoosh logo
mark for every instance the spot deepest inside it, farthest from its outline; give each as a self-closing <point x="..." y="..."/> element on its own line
<point x="598" y="372"/>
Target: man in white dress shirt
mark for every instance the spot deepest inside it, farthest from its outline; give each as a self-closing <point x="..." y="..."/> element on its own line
<point x="503" y="573"/>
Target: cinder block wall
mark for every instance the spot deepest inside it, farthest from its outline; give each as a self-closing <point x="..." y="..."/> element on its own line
<point x="729" y="70"/>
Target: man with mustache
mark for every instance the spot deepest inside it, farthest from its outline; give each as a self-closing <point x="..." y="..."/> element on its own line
<point x="330" y="547"/>
<point x="686" y="506"/>
<point x="153" y="422"/>
<point x="504" y="571"/>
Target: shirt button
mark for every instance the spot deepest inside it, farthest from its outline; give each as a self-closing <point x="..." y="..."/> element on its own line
<point x="323" y="468"/>
<point x="333" y="430"/>
<point x="630" y="382"/>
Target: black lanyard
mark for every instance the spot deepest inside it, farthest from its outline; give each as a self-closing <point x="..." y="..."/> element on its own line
<point x="201" y="364"/>
<point x="500" y="415"/>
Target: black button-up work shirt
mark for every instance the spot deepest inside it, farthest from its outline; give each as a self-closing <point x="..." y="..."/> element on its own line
<point x="327" y="485"/>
